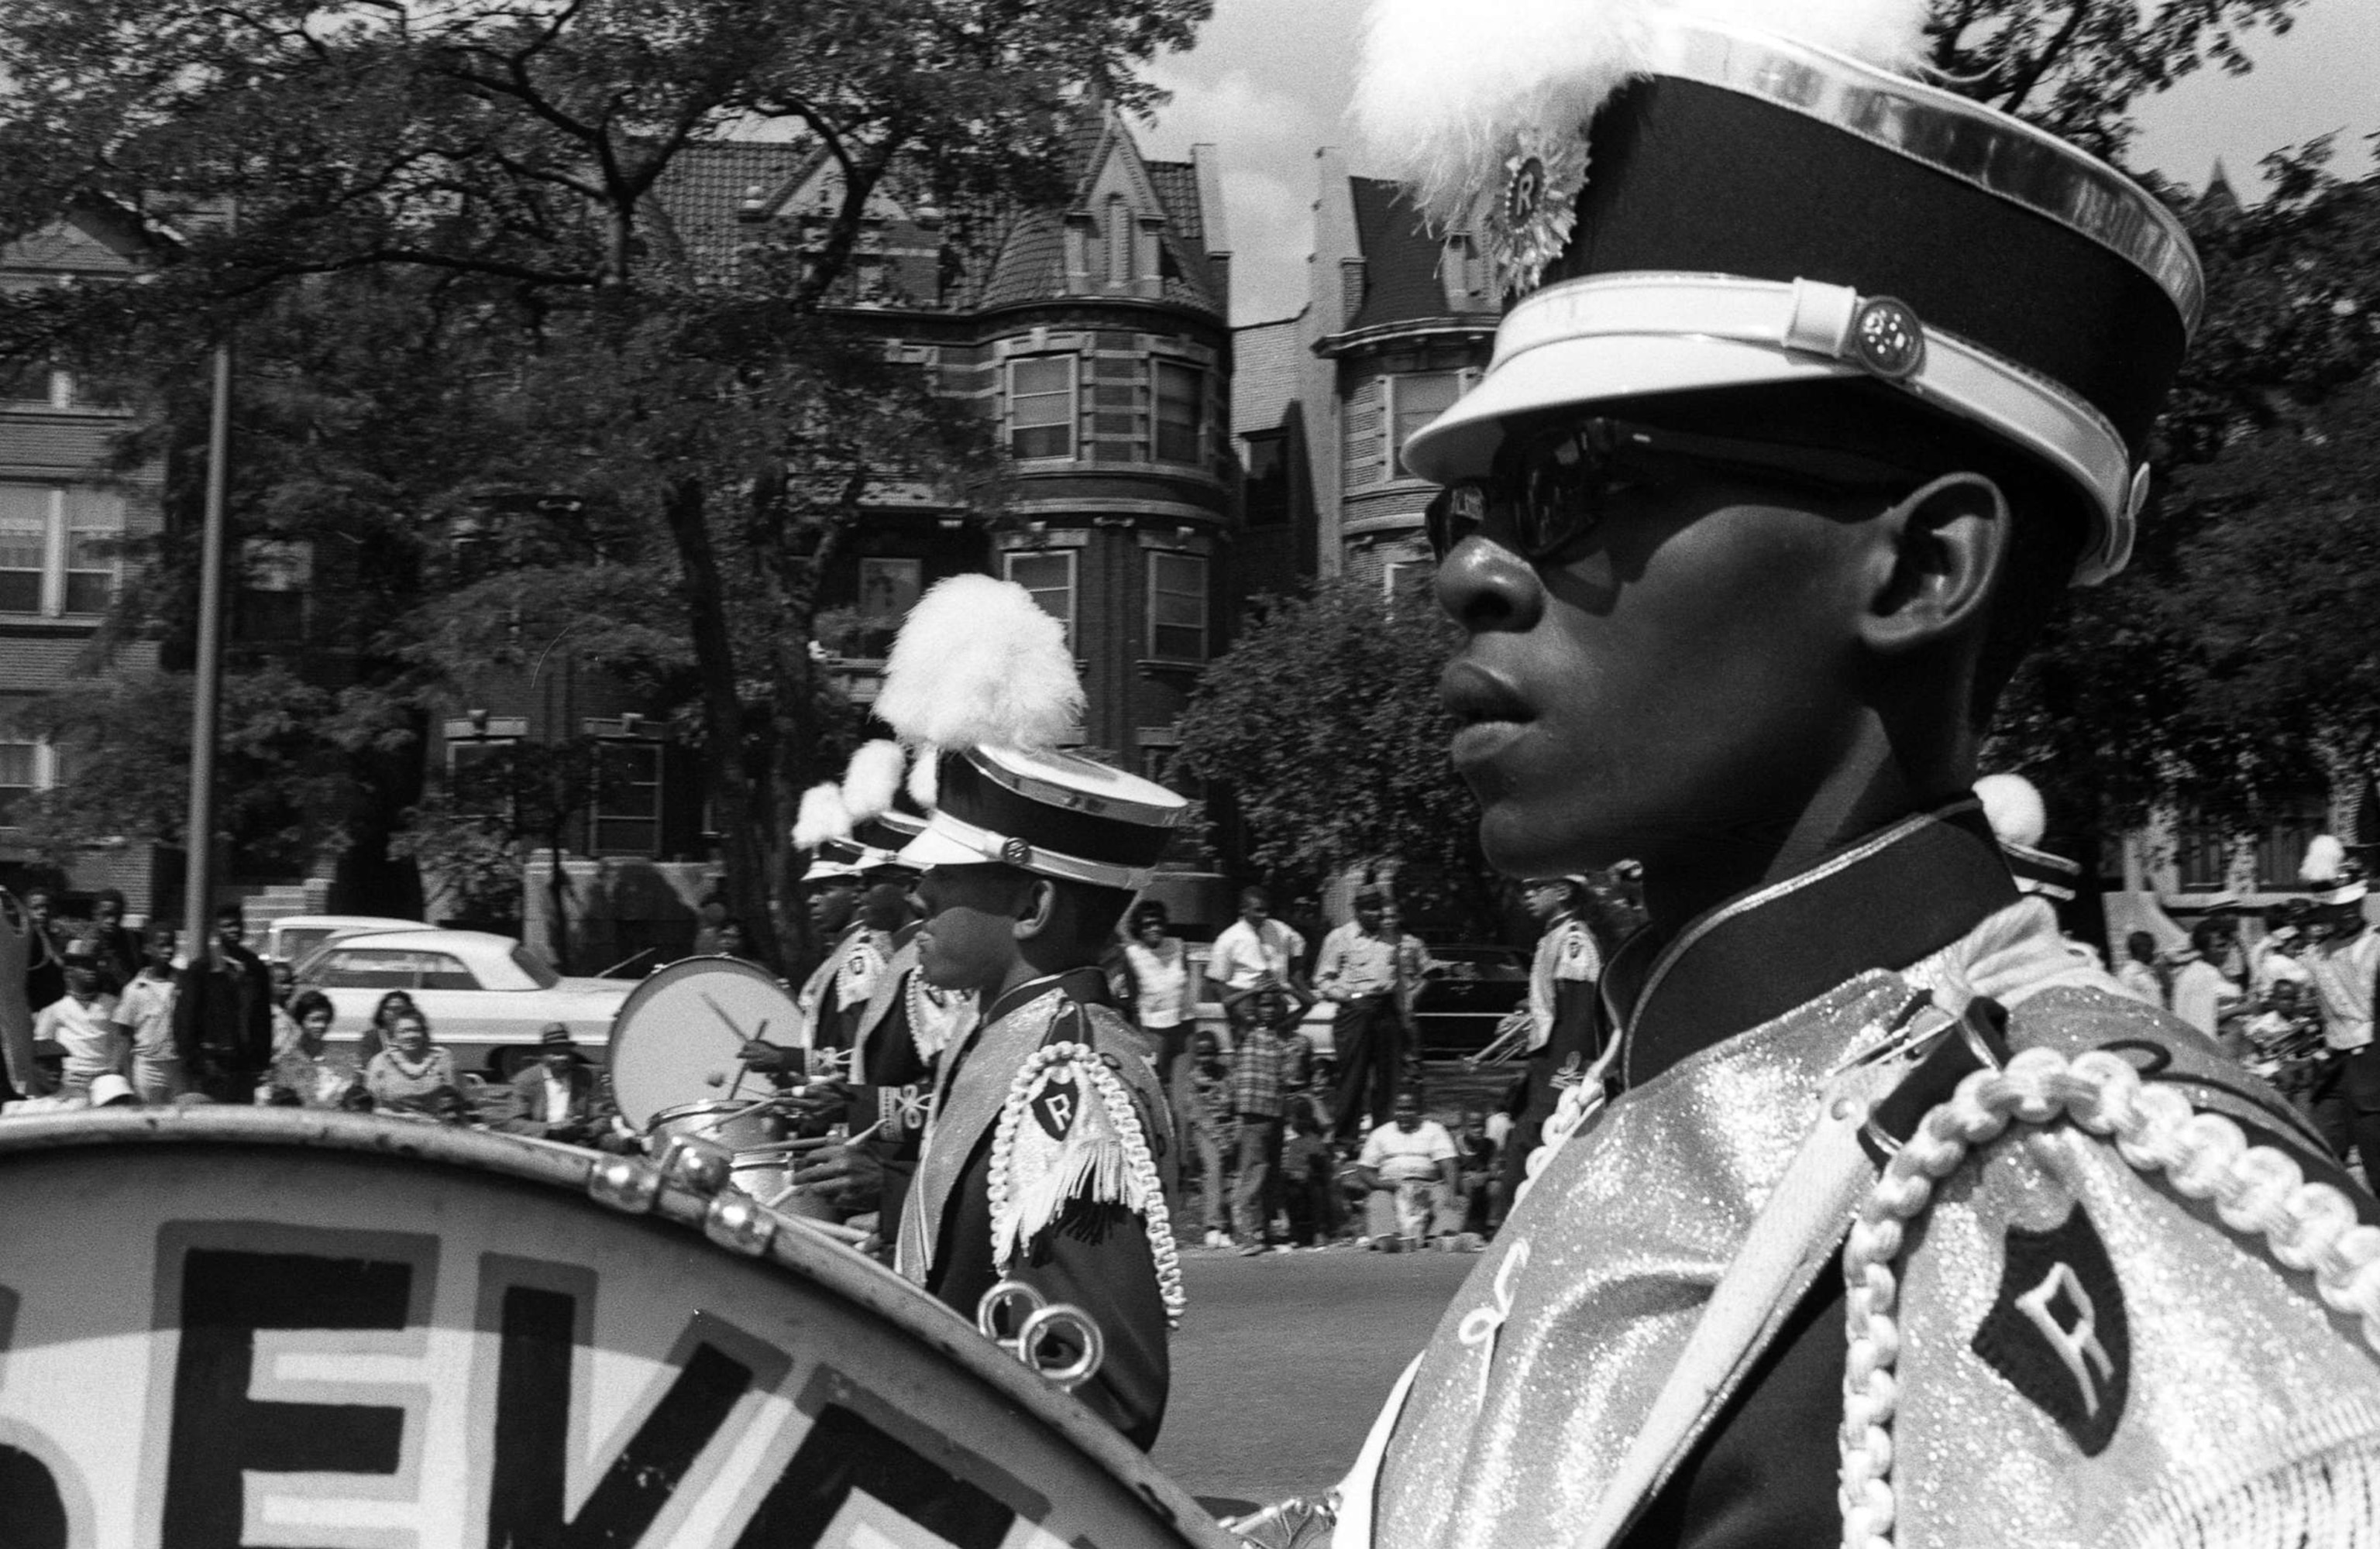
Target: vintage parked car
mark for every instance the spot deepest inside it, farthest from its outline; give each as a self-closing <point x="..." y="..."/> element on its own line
<point x="485" y="994"/>
<point x="292" y="937"/>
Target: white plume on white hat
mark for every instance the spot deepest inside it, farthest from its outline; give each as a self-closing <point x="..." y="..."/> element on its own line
<point x="2013" y="807"/>
<point x="978" y="663"/>
<point x="2326" y="857"/>
<point x="821" y="816"/>
<point x="1447" y="88"/>
<point x="870" y="781"/>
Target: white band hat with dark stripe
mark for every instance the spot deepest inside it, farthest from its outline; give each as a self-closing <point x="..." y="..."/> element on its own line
<point x="1744" y="209"/>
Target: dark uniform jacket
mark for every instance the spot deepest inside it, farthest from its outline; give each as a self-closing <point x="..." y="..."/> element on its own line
<point x="1096" y="1254"/>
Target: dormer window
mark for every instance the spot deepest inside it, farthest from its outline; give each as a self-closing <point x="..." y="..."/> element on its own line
<point x="1120" y="229"/>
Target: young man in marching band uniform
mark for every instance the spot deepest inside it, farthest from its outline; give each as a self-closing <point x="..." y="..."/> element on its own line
<point x="1046" y="1160"/>
<point x="1821" y="385"/>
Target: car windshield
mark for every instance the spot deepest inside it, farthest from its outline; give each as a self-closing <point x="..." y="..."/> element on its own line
<point x="535" y="967"/>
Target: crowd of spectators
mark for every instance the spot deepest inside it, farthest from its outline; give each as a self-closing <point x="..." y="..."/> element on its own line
<point x="2294" y="1006"/>
<point x="118" y="1022"/>
<point x="1282" y="1144"/>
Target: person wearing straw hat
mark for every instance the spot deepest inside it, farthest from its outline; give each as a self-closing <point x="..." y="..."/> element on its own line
<point x="558" y="1097"/>
<point x="1046" y="1158"/>
<point x="1820" y="385"/>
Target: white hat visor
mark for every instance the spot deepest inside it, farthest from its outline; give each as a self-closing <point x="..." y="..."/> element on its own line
<point x="1615" y="337"/>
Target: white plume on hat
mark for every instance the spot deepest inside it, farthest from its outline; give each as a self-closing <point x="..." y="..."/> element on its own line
<point x="978" y="663"/>
<point x="821" y="816"/>
<point x="2326" y="857"/>
<point x="1448" y="87"/>
<point x="872" y="779"/>
<point x="2012" y="806"/>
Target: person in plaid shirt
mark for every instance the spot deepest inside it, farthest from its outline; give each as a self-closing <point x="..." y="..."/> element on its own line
<point x="1271" y="1061"/>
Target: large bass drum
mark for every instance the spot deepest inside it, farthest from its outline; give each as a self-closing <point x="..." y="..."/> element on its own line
<point x="675" y="1041"/>
<point x="224" y="1326"/>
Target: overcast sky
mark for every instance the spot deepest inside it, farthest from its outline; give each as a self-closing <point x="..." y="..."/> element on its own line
<point x="1269" y="83"/>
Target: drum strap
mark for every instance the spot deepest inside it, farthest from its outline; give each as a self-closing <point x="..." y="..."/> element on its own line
<point x="962" y="1116"/>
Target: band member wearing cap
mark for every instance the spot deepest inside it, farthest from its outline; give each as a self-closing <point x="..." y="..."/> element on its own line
<point x="1046" y="1158"/>
<point x="1821" y="385"/>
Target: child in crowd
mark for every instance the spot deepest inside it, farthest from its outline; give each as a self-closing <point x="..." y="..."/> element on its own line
<point x="146" y="1013"/>
<point x="1272" y="1062"/>
<point x="1310" y="1195"/>
<point x="1479" y="1190"/>
<point x="1201" y="1107"/>
<point x="83" y="1023"/>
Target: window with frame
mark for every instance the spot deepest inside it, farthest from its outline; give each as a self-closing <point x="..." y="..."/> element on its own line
<point x="20" y="777"/>
<point x="1050" y="576"/>
<point x="1415" y="401"/>
<point x="56" y="546"/>
<point x="275" y="575"/>
<point x="1177" y="606"/>
<point x="1406" y="581"/>
<point x="2202" y="856"/>
<point x="480" y="776"/>
<point x="444" y="971"/>
<point x="1181" y="412"/>
<point x="1041" y="406"/>
<point x="1266" y="485"/>
<point x="627" y="798"/>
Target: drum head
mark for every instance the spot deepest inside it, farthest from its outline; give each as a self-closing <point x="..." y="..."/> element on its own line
<point x="224" y="1325"/>
<point x="675" y="1038"/>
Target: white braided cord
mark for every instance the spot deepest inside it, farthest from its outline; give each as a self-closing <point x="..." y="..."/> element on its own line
<point x="2256" y="1190"/>
<point x="1578" y="1104"/>
<point x="1117" y="1099"/>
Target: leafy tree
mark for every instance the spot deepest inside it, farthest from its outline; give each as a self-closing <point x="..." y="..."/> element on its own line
<point x="2232" y="666"/>
<point x="1323" y="720"/>
<point x="2076" y="68"/>
<point x="517" y="153"/>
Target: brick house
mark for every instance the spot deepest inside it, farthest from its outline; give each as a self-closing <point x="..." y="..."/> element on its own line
<point x="1094" y="337"/>
<point x="1398" y="323"/>
<point x="64" y="516"/>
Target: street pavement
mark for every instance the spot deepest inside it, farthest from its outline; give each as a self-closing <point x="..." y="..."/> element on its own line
<point x="1283" y="1359"/>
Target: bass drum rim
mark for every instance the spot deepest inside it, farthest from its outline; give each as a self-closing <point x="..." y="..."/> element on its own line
<point x="620" y="1039"/>
<point x="792" y="1248"/>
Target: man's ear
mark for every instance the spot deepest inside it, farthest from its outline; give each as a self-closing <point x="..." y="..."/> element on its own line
<point x="1037" y="909"/>
<point x="1937" y="556"/>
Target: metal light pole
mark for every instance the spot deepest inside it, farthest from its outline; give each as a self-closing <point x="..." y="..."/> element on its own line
<point x="206" y="706"/>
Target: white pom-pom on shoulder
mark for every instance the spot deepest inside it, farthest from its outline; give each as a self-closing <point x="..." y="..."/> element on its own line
<point x="872" y="780"/>
<point x="1448" y="87"/>
<point x="2014" y="809"/>
<point x="980" y="663"/>
<point x="821" y="816"/>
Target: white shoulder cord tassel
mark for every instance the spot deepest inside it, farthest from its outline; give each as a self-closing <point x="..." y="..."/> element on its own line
<point x="2257" y="1189"/>
<point x="1117" y="1100"/>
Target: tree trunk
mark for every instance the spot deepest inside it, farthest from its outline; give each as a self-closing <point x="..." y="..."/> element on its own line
<point x="740" y="803"/>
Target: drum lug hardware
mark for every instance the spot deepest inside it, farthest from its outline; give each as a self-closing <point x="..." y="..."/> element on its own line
<point x="738" y="1223"/>
<point x="625" y="1183"/>
<point x="699" y="1165"/>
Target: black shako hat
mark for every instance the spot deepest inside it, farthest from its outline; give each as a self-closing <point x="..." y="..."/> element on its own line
<point x="980" y="689"/>
<point x="1686" y="197"/>
<point x="1049" y="813"/>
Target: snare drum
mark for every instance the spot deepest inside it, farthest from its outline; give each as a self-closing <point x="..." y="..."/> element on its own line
<point x="675" y="1042"/>
<point x="224" y="1326"/>
<point x="737" y="1126"/>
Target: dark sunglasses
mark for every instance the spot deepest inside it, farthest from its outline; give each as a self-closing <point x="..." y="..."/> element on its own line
<point x="1546" y="492"/>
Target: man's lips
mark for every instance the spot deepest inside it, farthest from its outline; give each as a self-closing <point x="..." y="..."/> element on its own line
<point x="1490" y="711"/>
